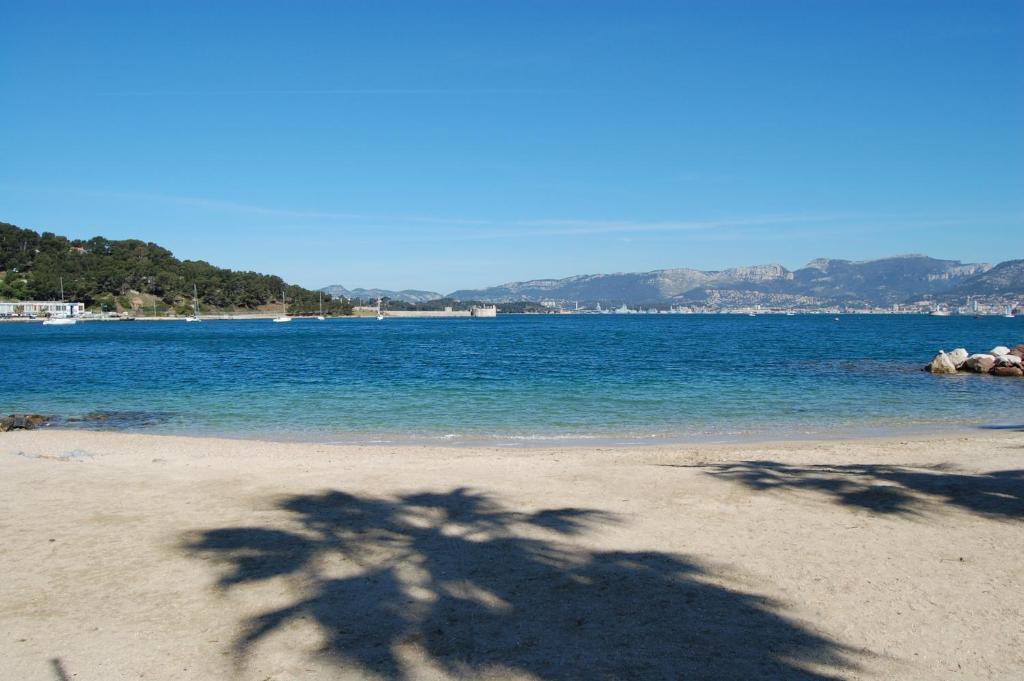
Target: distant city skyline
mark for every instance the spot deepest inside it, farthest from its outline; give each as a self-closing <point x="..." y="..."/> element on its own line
<point x="450" y="145"/>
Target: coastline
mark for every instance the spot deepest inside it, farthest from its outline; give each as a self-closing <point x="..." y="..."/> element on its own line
<point x="134" y="423"/>
<point x="190" y="557"/>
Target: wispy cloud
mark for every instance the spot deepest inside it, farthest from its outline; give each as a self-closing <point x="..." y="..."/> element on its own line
<point x="236" y="207"/>
<point x="487" y="228"/>
<point x="785" y="225"/>
<point x="357" y="92"/>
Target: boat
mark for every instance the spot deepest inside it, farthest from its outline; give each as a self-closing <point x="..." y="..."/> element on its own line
<point x="939" y="313"/>
<point x="380" y="311"/>
<point x="64" y="320"/>
<point x="284" y="311"/>
<point x="321" y="315"/>
<point x="1009" y="313"/>
<point x="194" y="317"/>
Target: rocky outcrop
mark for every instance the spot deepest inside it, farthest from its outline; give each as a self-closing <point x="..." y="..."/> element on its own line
<point x="1000" y="361"/>
<point x="22" y="422"/>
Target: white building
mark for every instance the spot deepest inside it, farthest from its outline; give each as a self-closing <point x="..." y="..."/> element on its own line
<point x="40" y="308"/>
<point x="484" y="311"/>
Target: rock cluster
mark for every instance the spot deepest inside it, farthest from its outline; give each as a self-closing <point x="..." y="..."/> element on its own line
<point x="999" y="361"/>
<point x="22" y="422"/>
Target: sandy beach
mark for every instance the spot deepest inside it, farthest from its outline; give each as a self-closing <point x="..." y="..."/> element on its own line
<point x="137" y="556"/>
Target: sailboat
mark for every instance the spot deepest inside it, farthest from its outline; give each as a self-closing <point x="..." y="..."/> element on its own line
<point x="284" y="311"/>
<point x="321" y="315"/>
<point x="67" y="319"/>
<point x="194" y="317"/>
<point x="380" y="313"/>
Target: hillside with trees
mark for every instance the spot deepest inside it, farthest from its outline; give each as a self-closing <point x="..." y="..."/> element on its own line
<point x="125" y="274"/>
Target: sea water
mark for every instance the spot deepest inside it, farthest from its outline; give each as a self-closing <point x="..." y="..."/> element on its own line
<point x="514" y="379"/>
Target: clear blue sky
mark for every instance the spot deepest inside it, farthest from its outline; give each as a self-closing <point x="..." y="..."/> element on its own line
<point x="443" y="145"/>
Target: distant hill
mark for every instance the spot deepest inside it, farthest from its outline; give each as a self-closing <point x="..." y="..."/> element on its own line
<point x="128" y="273"/>
<point x="1006" y="277"/>
<point x="643" y="287"/>
<point x="825" y="281"/>
<point x="406" y="296"/>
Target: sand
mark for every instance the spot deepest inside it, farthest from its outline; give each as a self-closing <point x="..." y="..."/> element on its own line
<point x="138" y="556"/>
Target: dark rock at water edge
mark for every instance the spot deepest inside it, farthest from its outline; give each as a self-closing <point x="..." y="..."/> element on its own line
<point x="115" y="420"/>
<point x="1007" y="371"/>
<point x="22" y="422"/>
<point x="980" y="364"/>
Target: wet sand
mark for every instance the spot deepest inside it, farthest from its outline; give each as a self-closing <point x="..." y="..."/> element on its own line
<point x="137" y="556"/>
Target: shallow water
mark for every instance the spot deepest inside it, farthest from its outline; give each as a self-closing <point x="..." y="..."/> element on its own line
<point x="511" y="380"/>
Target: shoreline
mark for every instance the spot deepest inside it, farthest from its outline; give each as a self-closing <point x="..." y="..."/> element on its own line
<point x="867" y="433"/>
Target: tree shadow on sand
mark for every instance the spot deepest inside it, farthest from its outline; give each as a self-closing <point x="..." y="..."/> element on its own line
<point x="884" y="489"/>
<point x="479" y="589"/>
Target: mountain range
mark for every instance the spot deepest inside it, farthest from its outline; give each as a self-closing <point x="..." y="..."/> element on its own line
<point x="123" y="274"/>
<point x="898" y="279"/>
<point x="406" y="296"/>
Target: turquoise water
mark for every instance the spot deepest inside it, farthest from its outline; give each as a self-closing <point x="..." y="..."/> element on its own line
<point x="514" y="379"/>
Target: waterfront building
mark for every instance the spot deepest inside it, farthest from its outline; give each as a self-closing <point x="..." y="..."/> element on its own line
<point x="40" y="308"/>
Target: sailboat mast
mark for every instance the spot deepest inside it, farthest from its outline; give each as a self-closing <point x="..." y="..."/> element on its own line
<point x="62" y="296"/>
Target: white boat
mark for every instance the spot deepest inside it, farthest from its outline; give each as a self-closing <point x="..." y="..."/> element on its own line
<point x="380" y="312"/>
<point x="321" y="315"/>
<point x="194" y="317"/>
<point x="939" y="313"/>
<point x="1009" y="313"/>
<point x="65" y="319"/>
<point x="284" y="311"/>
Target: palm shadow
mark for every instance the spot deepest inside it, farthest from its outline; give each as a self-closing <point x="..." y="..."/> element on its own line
<point x="478" y="588"/>
<point x="886" y="489"/>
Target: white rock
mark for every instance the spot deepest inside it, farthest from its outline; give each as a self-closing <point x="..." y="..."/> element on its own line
<point x="1009" y="361"/>
<point x="999" y="350"/>
<point x="941" y="364"/>
<point x="979" y="355"/>
<point x="958" y="357"/>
